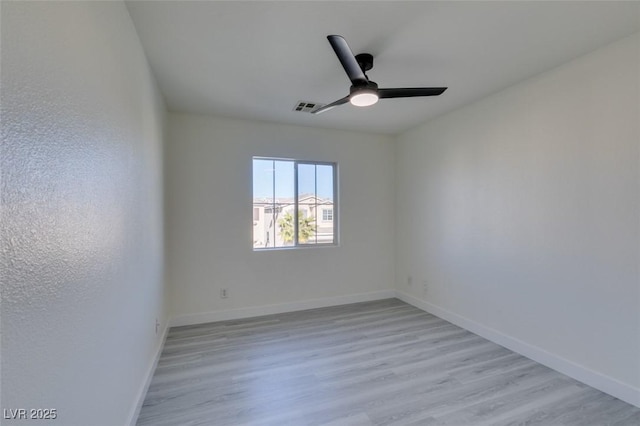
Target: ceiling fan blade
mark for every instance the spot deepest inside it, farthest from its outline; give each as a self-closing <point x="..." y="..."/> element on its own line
<point x="348" y="61"/>
<point x="331" y="105"/>
<point x="410" y="92"/>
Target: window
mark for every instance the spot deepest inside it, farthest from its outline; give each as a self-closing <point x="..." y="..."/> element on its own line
<point x="294" y="203"/>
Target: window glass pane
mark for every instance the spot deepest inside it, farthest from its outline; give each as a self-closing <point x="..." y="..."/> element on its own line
<point x="325" y="198"/>
<point x="307" y="203"/>
<point x="284" y="203"/>
<point x="325" y="181"/>
<point x="263" y="201"/>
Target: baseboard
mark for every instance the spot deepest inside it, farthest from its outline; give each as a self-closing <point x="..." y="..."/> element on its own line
<point x="142" y="393"/>
<point x="256" y="311"/>
<point x="594" y="379"/>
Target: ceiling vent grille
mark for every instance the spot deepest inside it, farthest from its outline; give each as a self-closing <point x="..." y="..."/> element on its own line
<point x="306" y="106"/>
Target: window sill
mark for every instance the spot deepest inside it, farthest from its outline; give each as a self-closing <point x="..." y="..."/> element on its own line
<point x="301" y="247"/>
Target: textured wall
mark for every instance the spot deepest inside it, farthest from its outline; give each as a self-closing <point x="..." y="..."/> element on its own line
<point x="82" y="233"/>
<point x="209" y="216"/>
<point x="522" y="212"/>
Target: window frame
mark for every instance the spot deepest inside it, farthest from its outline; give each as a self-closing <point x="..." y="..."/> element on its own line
<point x="296" y="243"/>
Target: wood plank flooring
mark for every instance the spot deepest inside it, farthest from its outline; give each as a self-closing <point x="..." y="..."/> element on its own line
<point x="374" y="363"/>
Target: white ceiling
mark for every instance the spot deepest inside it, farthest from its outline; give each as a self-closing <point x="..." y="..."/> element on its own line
<point x="255" y="60"/>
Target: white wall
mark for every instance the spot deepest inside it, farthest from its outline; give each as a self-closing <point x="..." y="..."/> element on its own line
<point x="521" y="213"/>
<point x="82" y="235"/>
<point x="209" y="218"/>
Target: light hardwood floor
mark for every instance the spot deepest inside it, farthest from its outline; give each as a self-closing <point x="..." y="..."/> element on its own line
<point x="374" y="363"/>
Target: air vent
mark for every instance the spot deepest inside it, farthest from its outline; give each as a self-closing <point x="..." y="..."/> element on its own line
<point x="306" y="106"/>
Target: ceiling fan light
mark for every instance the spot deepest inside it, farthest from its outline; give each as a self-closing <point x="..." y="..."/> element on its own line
<point x="364" y="98"/>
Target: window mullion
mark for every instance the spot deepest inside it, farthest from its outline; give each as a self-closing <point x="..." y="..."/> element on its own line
<point x="315" y="199"/>
<point x="295" y="204"/>
<point x="273" y="203"/>
<point x="334" y="213"/>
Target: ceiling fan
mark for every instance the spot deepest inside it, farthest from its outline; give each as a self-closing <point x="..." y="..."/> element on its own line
<point x="365" y="92"/>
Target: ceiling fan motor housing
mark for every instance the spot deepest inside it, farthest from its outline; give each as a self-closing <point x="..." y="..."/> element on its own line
<point x="369" y="86"/>
<point x="365" y="60"/>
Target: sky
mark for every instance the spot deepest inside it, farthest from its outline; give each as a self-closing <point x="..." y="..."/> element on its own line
<point x="310" y="178"/>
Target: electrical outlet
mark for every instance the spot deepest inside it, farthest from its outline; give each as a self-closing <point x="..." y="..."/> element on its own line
<point x="224" y="293"/>
<point x="425" y="286"/>
<point x="409" y="280"/>
<point x="157" y="325"/>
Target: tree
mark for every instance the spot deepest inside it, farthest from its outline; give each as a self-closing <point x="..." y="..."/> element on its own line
<point x="306" y="227"/>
